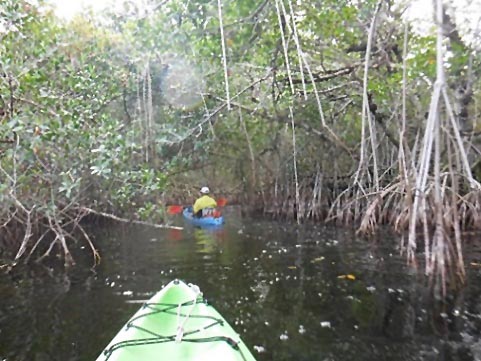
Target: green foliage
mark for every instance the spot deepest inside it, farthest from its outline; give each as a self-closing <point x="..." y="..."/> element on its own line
<point x="98" y="110"/>
<point x="61" y="90"/>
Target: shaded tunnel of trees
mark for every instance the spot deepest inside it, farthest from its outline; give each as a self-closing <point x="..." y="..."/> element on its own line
<point x="325" y="111"/>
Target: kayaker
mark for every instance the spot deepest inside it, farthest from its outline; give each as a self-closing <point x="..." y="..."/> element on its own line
<point x="204" y="202"/>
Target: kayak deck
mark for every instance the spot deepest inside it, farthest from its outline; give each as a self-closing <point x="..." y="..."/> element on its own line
<point x="176" y="324"/>
<point x="202" y="221"/>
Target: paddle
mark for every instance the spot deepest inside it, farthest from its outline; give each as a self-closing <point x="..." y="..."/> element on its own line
<point x="221" y="202"/>
<point x="176" y="208"/>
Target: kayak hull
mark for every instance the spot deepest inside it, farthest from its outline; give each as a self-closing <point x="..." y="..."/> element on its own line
<point x="204" y="221"/>
<point x="176" y="324"/>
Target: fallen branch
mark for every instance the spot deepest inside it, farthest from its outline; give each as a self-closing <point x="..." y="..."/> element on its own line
<point x="125" y="220"/>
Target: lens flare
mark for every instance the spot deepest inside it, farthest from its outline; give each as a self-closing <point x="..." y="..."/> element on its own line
<point x="182" y="85"/>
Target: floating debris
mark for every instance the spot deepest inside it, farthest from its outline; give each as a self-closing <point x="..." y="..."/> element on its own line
<point x="259" y="349"/>
<point x="318" y="259"/>
<point x="284" y="336"/>
<point x="349" y="277"/>
<point x="302" y="330"/>
<point x="325" y="324"/>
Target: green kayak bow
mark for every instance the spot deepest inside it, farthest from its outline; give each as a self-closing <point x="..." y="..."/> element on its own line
<point x="176" y="324"/>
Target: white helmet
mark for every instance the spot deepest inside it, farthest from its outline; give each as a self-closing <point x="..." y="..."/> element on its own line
<point x="205" y="190"/>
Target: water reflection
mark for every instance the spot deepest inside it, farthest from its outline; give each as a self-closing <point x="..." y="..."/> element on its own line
<point x="285" y="289"/>
<point x="209" y="240"/>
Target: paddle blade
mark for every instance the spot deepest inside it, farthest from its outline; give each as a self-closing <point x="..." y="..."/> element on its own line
<point x="221" y="202"/>
<point x="174" y="209"/>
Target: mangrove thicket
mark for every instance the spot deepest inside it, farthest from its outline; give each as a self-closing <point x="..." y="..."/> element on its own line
<point x="340" y="111"/>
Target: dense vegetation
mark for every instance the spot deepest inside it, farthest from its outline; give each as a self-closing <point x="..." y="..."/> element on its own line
<point x="324" y="110"/>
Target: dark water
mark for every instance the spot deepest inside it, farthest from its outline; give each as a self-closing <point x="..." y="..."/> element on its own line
<point x="284" y="288"/>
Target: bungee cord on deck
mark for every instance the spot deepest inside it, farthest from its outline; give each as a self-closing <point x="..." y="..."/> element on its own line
<point x="157" y="338"/>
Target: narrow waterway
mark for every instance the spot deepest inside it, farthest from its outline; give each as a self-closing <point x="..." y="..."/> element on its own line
<point x="292" y="292"/>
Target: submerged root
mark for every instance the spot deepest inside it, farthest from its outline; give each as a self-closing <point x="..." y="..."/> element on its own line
<point x="45" y="232"/>
<point x="439" y="226"/>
